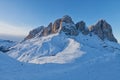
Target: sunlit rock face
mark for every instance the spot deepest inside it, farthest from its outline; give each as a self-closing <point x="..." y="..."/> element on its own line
<point x="64" y="24"/>
<point x="56" y="26"/>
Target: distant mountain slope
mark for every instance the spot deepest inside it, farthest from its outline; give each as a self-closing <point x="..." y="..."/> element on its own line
<point x="5" y="45"/>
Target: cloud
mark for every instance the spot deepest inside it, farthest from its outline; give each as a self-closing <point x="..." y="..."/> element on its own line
<point x="11" y="37"/>
<point x="13" y="30"/>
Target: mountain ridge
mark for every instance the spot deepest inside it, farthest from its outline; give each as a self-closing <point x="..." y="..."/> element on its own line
<point x="102" y="29"/>
<point x="65" y="41"/>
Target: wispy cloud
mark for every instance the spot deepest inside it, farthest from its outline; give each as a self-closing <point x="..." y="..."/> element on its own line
<point x="9" y="29"/>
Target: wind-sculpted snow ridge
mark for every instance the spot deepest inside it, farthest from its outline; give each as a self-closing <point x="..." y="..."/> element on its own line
<point x="64" y="41"/>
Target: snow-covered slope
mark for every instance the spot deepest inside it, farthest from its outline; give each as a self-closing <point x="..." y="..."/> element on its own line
<point x="5" y="45"/>
<point x="56" y="48"/>
<point x="92" y="66"/>
<point x="59" y="48"/>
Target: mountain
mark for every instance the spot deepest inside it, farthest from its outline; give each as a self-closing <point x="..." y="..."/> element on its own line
<point x="103" y="30"/>
<point x="64" y="41"/>
<point x="63" y="50"/>
<point x="5" y="45"/>
<point x="65" y="24"/>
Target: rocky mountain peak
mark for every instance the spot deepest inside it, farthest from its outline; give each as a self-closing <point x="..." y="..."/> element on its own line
<point x="81" y="26"/>
<point x="103" y="30"/>
<point x="65" y="24"/>
<point x="67" y="19"/>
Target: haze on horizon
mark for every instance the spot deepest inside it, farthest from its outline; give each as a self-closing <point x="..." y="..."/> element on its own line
<point x="17" y="18"/>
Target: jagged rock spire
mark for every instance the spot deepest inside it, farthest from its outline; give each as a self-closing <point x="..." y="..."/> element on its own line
<point x="67" y="19"/>
<point x="103" y="30"/>
<point x="81" y="26"/>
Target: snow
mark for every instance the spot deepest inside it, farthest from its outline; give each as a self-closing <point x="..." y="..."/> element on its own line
<point x="56" y="48"/>
<point x="60" y="48"/>
<point x="6" y="43"/>
<point x="88" y="67"/>
<point x="62" y="57"/>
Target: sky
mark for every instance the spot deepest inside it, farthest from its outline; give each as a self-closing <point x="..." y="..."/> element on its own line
<point x="18" y="17"/>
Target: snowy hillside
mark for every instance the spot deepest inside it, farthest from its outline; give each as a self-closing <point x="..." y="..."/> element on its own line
<point x="56" y="48"/>
<point x="60" y="48"/>
<point x="91" y="66"/>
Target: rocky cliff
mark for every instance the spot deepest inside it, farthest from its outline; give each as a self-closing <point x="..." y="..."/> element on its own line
<point x="103" y="30"/>
<point x="65" y="24"/>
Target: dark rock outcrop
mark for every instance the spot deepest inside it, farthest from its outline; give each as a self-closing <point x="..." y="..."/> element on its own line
<point x="103" y="30"/>
<point x="64" y="24"/>
<point x="68" y="26"/>
<point x="67" y="19"/>
<point x="46" y="31"/>
<point x="81" y="26"/>
<point x="34" y="32"/>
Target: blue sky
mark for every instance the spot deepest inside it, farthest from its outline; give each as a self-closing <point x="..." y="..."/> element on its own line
<point x="17" y="17"/>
